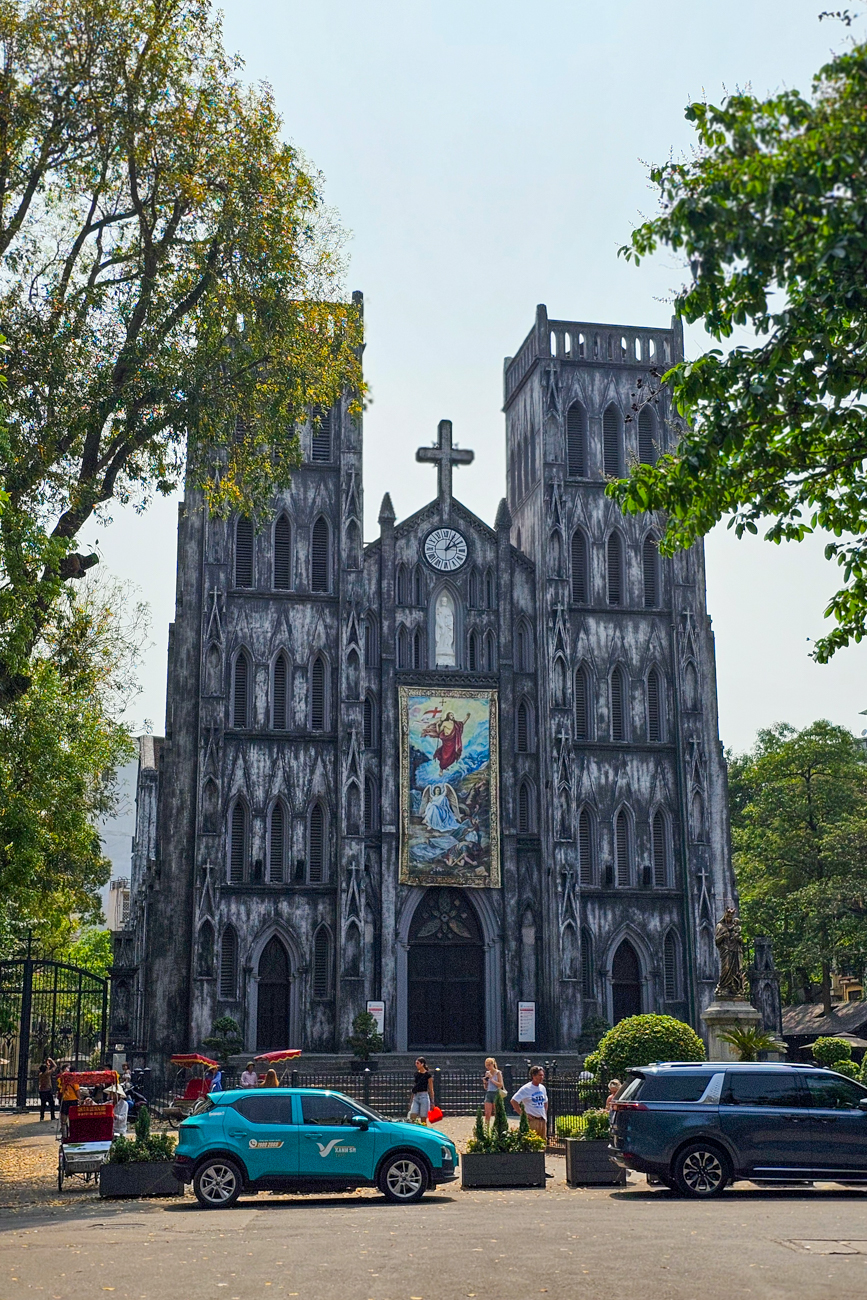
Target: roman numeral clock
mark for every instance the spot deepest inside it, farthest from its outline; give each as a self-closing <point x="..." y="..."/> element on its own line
<point x="445" y="549"/>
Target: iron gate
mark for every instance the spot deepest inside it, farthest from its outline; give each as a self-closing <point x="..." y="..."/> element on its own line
<point x="47" y="1007"/>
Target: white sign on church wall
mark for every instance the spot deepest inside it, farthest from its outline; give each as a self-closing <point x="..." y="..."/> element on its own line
<point x="377" y="1010"/>
<point x="526" y="1022"/>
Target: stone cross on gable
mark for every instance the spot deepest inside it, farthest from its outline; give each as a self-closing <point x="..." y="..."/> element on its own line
<point x="444" y="455"/>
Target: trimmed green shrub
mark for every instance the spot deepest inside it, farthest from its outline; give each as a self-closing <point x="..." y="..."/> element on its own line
<point x="147" y="1146"/>
<point x="849" y="1068"/>
<point x="596" y="1125"/>
<point x="827" y="1051"/>
<point x="641" y="1040"/>
<point x="365" y="1038"/>
<point x="498" y="1139"/>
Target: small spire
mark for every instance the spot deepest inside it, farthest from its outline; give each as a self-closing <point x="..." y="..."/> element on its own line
<point x="503" y="520"/>
<point x="386" y="511"/>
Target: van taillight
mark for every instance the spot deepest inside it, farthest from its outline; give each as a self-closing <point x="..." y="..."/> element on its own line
<point x="629" y="1105"/>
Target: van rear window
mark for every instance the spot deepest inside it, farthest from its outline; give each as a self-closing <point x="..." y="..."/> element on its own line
<point x="675" y="1087"/>
<point x="632" y="1089"/>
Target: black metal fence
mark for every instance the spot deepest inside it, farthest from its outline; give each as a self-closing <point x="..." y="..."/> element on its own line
<point x="570" y="1096"/>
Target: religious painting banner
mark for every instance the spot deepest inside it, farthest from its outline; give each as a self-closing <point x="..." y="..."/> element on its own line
<point x="449" y="788"/>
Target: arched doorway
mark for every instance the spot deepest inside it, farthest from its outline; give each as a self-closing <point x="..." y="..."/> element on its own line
<point x="625" y="983"/>
<point x="272" y="1017"/>
<point x="446" y="973"/>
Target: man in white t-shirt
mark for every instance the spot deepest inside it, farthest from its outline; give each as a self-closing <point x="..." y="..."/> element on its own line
<point x="535" y="1101"/>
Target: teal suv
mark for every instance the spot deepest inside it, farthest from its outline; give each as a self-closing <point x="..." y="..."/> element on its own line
<point x="305" y="1140"/>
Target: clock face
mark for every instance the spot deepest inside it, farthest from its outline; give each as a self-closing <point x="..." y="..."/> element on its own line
<point x="445" y="549"/>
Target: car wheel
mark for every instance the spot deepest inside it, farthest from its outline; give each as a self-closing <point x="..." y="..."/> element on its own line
<point x="403" y="1178"/>
<point x="218" y="1183"/>
<point x="701" y="1170"/>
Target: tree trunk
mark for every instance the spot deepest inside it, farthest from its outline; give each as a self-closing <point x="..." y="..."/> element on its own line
<point x="826" y="988"/>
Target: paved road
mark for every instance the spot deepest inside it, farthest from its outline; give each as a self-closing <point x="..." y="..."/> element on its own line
<point x="559" y="1243"/>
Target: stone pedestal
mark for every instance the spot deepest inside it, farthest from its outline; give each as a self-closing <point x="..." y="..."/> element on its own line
<point x="721" y="1018"/>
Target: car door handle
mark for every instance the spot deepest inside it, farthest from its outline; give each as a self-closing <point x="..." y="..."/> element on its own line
<point x="236" y="1133"/>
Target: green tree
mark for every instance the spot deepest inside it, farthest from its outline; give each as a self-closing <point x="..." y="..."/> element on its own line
<point x="640" y="1040"/>
<point x="770" y="211"/>
<point x="170" y="285"/>
<point x="799" y="835"/>
<point x="225" y="1039"/>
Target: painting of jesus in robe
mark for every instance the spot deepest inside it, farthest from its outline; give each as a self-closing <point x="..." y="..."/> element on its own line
<point x="449" y="794"/>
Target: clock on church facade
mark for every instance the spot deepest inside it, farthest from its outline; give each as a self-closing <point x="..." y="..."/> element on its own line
<point x="463" y="766"/>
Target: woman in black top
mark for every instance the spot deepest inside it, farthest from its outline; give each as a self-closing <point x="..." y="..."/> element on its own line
<point x="422" y="1096"/>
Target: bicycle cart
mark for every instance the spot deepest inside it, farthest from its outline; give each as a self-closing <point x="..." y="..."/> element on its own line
<point x="195" y="1087"/>
<point x="86" y="1130"/>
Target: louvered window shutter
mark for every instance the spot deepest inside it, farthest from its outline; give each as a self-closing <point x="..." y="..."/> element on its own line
<point x="474" y="653"/>
<point x="670" y="967"/>
<point x="650" y="570"/>
<point x="275" y="861"/>
<point x="321" y="964"/>
<point x="238" y="845"/>
<point x="523" y="809"/>
<point x="368" y="723"/>
<point x="575" y="442"/>
<point x="369" y="805"/>
<point x="316" y="854"/>
<point x="586" y="963"/>
<point x="240" y="692"/>
<point x="282" y="554"/>
<point x="611" y="443"/>
<point x="660" y="854"/>
<point x="582" y="705"/>
<point x="317" y="695"/>
<point x="654" y="711"/>
<point x="228" y="964"/>
<point x="244" y="553"/>
<point x="580" y="574"/>
<point x="621" y="838"/>
<point x="618" y="731"/>
<point x="281" y="675"/>
<point x="523" y="728"/>
<point x="319" y="557"/>
<point x="615" y="570"/>
<point x="320" y="438"/>
<point x="646" y="449"/>
<point x="585" y="849"/>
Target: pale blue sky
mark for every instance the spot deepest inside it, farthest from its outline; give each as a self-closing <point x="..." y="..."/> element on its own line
<point x="487" y="157"/>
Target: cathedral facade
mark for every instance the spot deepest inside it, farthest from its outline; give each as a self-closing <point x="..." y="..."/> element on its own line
<point x="456" y="770"/>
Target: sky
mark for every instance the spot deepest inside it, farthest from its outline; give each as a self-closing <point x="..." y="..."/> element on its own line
<point x="485" y="158"/>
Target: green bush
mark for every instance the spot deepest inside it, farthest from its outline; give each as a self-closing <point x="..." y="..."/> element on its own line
<point x="498" y="1139"/>
<point x="849" y="1068"/>
<point x="596" y="1125"/>
<point x="827" y="1051"/>
<point x="641" y="1040"/>
<point x="146" y="1147"/>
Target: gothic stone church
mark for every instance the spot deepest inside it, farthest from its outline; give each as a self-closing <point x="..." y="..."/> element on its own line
<point x="458" y="768"/>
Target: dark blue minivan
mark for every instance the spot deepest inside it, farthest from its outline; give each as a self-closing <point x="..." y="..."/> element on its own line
<point x="700" y="1126"/>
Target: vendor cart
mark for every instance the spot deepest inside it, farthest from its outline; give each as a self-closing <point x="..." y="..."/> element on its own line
<point x="190" y="1086"/>
<point x="86" y="1129"/>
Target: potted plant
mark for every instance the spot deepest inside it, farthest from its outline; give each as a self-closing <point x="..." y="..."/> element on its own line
<point x="588" y="1154"/>
<point x="142" y="1167"/>
<point x="498" y="1156"/>
<point x="225" y="1039"/>
<point x="364" y="1040"/>
<point x="749" y="1042"/>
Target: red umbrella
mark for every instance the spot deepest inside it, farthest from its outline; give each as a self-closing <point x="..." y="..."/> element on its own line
<point x="284" y="1054"/>
<point x="193" y="1058"/>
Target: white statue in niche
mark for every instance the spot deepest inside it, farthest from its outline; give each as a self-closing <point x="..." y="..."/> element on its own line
<point x="445" y="631"/>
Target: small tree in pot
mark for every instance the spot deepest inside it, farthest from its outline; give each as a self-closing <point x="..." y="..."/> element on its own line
<point x="499" y="1156"/>
<point x="364" y="1040"/>
<point x="588" y="1154"/>
<point x="140" y="1167"/>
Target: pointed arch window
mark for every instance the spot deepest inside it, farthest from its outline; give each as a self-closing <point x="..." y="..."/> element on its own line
<point x="205" y="951"/>
<point x="370" y="642"/>
<point x="490" y="589"/>
<point x="587" y="966"/>
<point x="582" y="703"/>
<point x="490" y="653"/>
<point x="402" y="585"/>
<point x="622" y="849"/>
<point x="321" y="972"/>
<point x="617" y="694"/>
<point x="585" y="848"/>
<point x="654" y="706"/>
<point x="317" y="845"/>
<point x="369" y="722"/>
<point x="526" y="808"/>
<point x="580" y="568"/>
<point x="282" y="575"/>
<point x="229" y="965"/>
<point x="474" y="589"/>
<point x="671" y="967"/>
<point x="523" y="647"/>
<point x="417" y="586"/>
<point x="612" y="460"/>
<point x="576" y="441"/>
<point x="659" y="845"/>
<point x="238" y="843"/>
<point x="244" y="541"/>
<point x="650" y="571"/>
<point x="560" y="677"/>
<point x="320" y="438"/>
<point x="403" y="647"/>
<point x="320" y="556"/>
<point x="280" y="693"/>
<point x="370" y="805"/>
<point x="473" y="652"/>
<point x="277" y="844"/>
<point x="524" y="728"/>
<point x="318" y="695"/>
<point x="241" y="691"/>
<point x="646" y="438"/>
<point x="417" y="649"/>
<point x="614" y="555"/>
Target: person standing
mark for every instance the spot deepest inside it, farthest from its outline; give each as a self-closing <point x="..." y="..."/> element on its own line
<point x="249" y="1079"/>
<point x="271" y="1080"/>
<point x="214" y="1080"/>
<point x="613" y="1089"/>
<point x="493" y="1080"/>
<point x="422" y="1095"/>
<point x="117" y="1097"/>
<point x="534" y="1098"/>
<point x="46" y="1090"/>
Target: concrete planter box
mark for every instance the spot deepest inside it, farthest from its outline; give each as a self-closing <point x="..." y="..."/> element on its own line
<point x="149" y="1178"/>
<point x="512" y="1169"/>
<point x="589" y="1164"/>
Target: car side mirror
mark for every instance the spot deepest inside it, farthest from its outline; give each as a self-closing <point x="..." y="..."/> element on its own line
<point x="360" y="1121"/>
